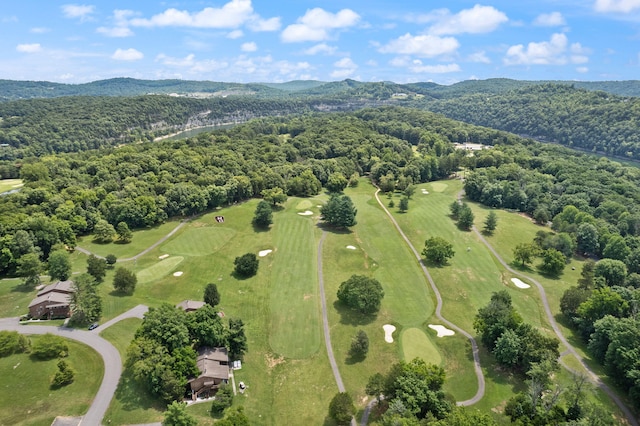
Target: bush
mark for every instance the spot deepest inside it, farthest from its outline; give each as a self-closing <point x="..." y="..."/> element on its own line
<point x="124" y="280"/>
<point x="222" y="400"/>
<point x="111" y="259"/>
<point x="49" y="346"/>
<point x="246" y="265"/>
<point x="12" y="342"/>
<point x="341" y="408"/>
<point x="359" y="345"/>
<point x="64" y="375"/>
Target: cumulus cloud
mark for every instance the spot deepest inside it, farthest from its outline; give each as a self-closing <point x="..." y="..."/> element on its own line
<point x="582" y="70"/>
<point x="39" y="30"/>
<point x="232" y="15"/>
<point x="316" y="25"/>
<point x="320" y="48"/>
<point x="120" y="27"/>
<point x="249" y="47"/>
<point x="345" y="67"/>
<point x="479" y="57"/>
<point x="187" y="61"/>
<point x="235" y="34"/>
<point x="421" y="45"/>
<point x="258" y="24"/>
<point x="623" y="6"/>
<point x="553" y="19"/>
<point x="556" y="51"/>
<point x="115" y="31"/>
<point x="29" y="48"/>
<point x="419" y="68"/>
<point x="477" y="20"/>
<point x="127" y="55"/>
<point x="81" y="11"/>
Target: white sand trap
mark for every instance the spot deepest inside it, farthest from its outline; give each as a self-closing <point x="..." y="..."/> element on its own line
<point x="519" y="283"/>
<point x="306" y="213"/>
<point x="164" y="256"/>
<point x="177" y="274"/>
<point x="441" y="330"/>
<point x="388" y="331"/>
<point x="351" y="247"/>
<point x="425" y="192"/>
<point x="263" y="253"/>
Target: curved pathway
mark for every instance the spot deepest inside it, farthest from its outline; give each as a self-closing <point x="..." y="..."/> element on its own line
<point x="474" y="346"/>
<point x="325" y="321"/>
<point x="110" y="356"/>
<point x="143" y="252"/>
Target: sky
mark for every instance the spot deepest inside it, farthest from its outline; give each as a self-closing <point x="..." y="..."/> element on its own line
<point x="282" y="40"/>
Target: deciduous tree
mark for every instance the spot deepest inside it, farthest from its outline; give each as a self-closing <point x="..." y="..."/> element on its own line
<point x="263" y="216"/>
<point x="59" y="265"/>
<point x="125" y="280"/>
<point x="246" y="265"/>
<point x="211" y="295"/>
<point x="361" y="293"/>
<point x="438" y="250"/>
<point x="339" y="211"/>
<point x="341" y="408"/>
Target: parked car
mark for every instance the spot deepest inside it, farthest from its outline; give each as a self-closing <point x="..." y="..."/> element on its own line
<point x="93" y="326"/>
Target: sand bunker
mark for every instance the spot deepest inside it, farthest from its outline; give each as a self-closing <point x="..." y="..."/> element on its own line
<point x="351" y="247"/>
<point x="424" y="191"/>
<point x="306" y="213"/>
<point x="441" y="330"/>
<point x="388" y="331"/>
<point x="164" y="256"/>
<point x="177" y="274"/>
<point x="263" y="253"/>
<point x="519" y="283"/>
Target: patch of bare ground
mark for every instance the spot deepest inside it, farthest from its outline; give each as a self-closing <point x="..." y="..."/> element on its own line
<point x="273" y="362"/>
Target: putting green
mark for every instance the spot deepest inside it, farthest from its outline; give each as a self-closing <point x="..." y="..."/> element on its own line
<point x="438" y="186"/>
<point x="199" y="241"/>
<point x="159" y="270"/>
<point x="303" y="205"/>
<point x="416" y="344"/>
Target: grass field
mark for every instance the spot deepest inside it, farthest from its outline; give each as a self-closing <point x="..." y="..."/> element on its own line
<point x="160" y="270"/>
<point x="27" y="398"/>
<point x="416" y="344"/>
<point x="121" y="334"/>
<point x="9" y="184"/>
<point x="15" y="298"/>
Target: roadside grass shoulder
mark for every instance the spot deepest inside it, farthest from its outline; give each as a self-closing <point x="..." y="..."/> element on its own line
<point x="121" y="334"/>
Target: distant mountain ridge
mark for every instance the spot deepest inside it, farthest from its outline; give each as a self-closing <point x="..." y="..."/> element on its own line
<point x="15" y="89"/>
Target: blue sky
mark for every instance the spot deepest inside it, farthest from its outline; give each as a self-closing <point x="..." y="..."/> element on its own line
<point x="282" y="40"/>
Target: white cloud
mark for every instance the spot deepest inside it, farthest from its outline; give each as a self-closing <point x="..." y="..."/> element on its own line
<point x="39" y="30"/>
<point x="29" y="48"/>
<point x="316" y="24"/>
<point x="231" y="15"/>
<point x="321" y="48"/>
<point x="187" y="61"/>
<point x="257" y="24"/>
<point x="235" y="34"/>
<point x="78" y="11"/>
<point x="249" y="47"/>
<point x="422" y="45"/>
<point x="341" y="74"/>
<point x="479" y="57"/>
<point x="582" y="70"/>
<point x="127" y="55"/>
<point x="624" y="6"/>
<point x="345" y="68"/>
<point x="553" y="19"/>
<point x="477" y="20"/>
<point x="552" y="52"/>
<point x="115" y="31"/>
<point x="418" y="67"/>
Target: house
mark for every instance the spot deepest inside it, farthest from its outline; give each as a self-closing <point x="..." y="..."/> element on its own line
<point x="190" y="305"/>
<point x="53" y="301"/>
<point x="213" y="364"/>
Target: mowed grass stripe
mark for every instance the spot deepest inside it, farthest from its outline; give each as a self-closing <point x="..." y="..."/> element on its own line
<point x="159" y="270"/>
<point x="199" y="241"/>
<point x="416" y="344"/>
<point x="295" y="316"/>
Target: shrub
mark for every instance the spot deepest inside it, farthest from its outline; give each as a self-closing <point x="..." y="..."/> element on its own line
<point x="49" y="346"/>
<point x="12" y="342"/>
<point x="222" y="400"/>
<point x="246" y="265"/>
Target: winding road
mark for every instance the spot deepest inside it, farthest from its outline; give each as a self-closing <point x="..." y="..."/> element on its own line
<point x="110" y="356"/>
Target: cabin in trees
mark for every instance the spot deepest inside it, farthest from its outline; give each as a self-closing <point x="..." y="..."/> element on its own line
<point x="213" y="364"/>
<point x="53" y="301"/>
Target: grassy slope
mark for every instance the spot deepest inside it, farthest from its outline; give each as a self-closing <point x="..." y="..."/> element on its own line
<point x="25" y="385"/>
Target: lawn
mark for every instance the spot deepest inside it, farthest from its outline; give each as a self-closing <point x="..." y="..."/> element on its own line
<point x="9" y="184"/>
<point x="15" y="297"/>
<point x="121" y="334"/>
<point x="416" y="344"/>
<point x="26" y="385"/>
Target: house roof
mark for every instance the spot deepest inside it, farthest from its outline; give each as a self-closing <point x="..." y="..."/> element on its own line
<point x="60" y="286"/>
<point x="190" y="305"/>
<point x="52" y="298"/>
<point x="210" y="361"/>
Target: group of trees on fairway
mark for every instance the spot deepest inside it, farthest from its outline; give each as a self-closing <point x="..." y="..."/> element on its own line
<point x="162" y="357"/>
<point x="461" y="212"/>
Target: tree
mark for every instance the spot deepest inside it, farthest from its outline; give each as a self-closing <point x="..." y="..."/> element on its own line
<point x="616" y="248"/>
<point x="176" y="415"/>
<point x="508" y="348"/>
<point x="263" y="216"/>
<point x="376" y="386"/>
<point x="490" y="222"/>
<point x="524" y="252"/>
<point x="59" y="265"/>
<point x="391" y="204"/>
<point x="339" y="211"/>
<point x="438" y="250"/>
<point x="234" y="417"/>
<point x="104" y="231"/>
<point x="111" y="259"/>
<point x="359" y="345"/>
<point x="404" y="204"/>
<point x="341" y="408"/>
<point x="125" y="235"/>
<point x="63" y="376"/>
<point x="409" y="191"/>
<point x="246" y="265"/>
<point x="96" y="267"/>
<point x="587" y="239"/>
<point x="465" y="217"/>
<point x="49" y="346"/>
<point x="206" y="328"/>
<point x="236" y="339"/>
<point x="541" y="216"/>
<point x="361" y="293"/>
<point x="12" y="342"/>
<point x="29" y="267"/>
<point x="613" y="271"/>
<point x="223" y="400"/>
<point x="553" y="262"/>
<point x="571" y="299"/>
<point x="274" y="196"/>
<point x="211" y="295"/>
<point x="86" y="303"/>
<point x="124" y="280"/>
<point x="166" y="325"/>
<point x="602" y="302"/>
<point x="495" y="318"/>
<point x="336" y="182"/>
<point x="454" y="207"/>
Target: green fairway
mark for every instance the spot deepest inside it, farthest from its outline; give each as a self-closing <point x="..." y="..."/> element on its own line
<point x="199" y="241"/>
<point x="416" y="344"/>
<point x="10" y="184"/>
<point x="28" y="399"/>
<point x="159" y="270"/>
<point x="295" y="317"/>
